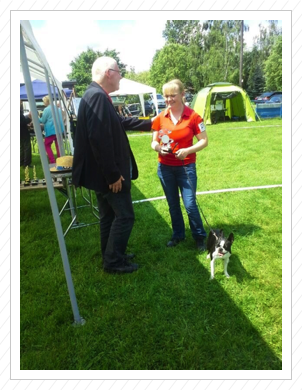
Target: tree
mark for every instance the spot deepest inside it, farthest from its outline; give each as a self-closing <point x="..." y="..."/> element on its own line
<point x="171" y="62"/>
<point x="181" y="31"/>
<point x="82" y="64"/>
<point x="254" y="71"/>
<point x="256" y="83"/>
<point x="141" y="77"/>
<point x="267" y="38"/>
<point x="273" y="68"/>
<point x="221" y="51"/>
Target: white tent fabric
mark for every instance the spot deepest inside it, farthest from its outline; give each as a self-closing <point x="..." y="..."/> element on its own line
<point x="130" y="87"/>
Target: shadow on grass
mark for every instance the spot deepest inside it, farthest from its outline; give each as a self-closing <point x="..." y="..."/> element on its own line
<point x="167" y="316"/>
<point x="188" y="313"/>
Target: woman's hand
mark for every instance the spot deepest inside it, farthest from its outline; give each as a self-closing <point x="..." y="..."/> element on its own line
<point x="181" y="154"/>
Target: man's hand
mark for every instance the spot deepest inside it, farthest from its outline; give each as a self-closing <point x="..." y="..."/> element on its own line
<point x="117" y="186"/>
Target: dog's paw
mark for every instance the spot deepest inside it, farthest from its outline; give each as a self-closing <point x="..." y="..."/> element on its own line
<point x="227" y="276"/>
<point x="211" y="277"/>
<point x="208" y="256"/>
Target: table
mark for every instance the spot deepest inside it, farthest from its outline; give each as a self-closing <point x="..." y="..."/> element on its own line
<point x="62" y="182"/>
<point x="69" y="191"/>
<point x="41" y="185"/>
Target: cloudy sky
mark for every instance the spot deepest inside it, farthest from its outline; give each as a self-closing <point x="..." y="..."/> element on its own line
<point x="135" y="42"/>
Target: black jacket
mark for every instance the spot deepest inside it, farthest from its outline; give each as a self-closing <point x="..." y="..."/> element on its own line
<point x="102" y="152"/>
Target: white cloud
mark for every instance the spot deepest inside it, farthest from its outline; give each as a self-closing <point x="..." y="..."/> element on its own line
<point x="131" y="39"/>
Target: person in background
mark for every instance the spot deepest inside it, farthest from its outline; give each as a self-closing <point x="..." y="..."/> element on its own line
<point x="104" y="162"/>
<point x="25" y="146"/>
<point x="64" y="115"/>
<point x="123" y="111"/>
<point x="120" y="111"/>
<point x="174" y="131"/>
<point x="49" y="128"/>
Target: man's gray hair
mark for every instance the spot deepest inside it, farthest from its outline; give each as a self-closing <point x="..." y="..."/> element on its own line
<point x="100" y="66"/>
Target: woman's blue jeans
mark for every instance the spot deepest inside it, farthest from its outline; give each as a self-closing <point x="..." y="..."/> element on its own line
<point x="183" y="178"/>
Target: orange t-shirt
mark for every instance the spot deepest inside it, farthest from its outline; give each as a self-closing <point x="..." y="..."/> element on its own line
<point x="178" y="136"/>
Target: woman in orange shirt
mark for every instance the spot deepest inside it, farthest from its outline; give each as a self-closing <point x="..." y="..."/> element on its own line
<point x="173" y="133"/>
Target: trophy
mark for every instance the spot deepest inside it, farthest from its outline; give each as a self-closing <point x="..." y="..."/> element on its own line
<point x="27" y="179"/>
<point x="35" y="181"/>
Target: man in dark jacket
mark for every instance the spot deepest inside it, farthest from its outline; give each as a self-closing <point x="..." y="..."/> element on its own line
<point x="103" y="162"/>
<point x="25" y="146"/>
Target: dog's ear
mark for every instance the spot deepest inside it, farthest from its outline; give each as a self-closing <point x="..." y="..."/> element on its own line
<point x="221" y="233"/>
<point x="231" y="238"/>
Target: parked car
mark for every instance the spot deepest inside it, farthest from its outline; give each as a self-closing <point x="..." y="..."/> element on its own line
<point x="188" y="97"/>
<point x="275" y="99"/>
<point x="136" y="109"/>
<point x="266" y="96"/>
<point x="160" y="102"/>
<point x="148" y="108"/>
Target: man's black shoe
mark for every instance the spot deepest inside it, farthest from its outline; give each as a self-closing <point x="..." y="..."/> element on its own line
<point x="125" y="268"/>
<point x="200" y="245"/>
<point x="174" y="242"/>
<point x="129" y="256"/>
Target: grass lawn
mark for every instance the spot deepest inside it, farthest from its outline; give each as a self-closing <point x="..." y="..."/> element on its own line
<point x="168" y="314"/>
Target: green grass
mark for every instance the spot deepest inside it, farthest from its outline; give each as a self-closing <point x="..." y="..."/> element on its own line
<point x="168" y="315"/>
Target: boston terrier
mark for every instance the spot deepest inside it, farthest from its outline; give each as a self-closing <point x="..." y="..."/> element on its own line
<point x="219" y="247"/>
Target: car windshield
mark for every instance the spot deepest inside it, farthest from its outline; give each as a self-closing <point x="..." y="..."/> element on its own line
<point x="276" y="98"/>
<point x="159" y="97"/>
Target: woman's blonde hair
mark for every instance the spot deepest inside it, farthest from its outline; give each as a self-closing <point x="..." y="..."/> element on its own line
<point x="46" y="100"/>
<point x="173" y="86"/>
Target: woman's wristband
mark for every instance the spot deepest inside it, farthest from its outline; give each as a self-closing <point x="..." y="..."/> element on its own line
<point x="155" y="146"/>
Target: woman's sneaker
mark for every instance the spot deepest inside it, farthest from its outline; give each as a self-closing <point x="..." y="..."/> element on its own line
<point x="201" y="245"/>
<point x="174" y="242"/>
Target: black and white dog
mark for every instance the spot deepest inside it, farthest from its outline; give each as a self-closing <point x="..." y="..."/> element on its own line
<point x="219" y="247"/>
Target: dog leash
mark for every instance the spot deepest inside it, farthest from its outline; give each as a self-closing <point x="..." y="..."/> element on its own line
<point x="200" y="209"/>
<point x="190" y="183"/>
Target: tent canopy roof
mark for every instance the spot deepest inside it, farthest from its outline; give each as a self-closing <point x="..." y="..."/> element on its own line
<point x="130" y="87"/>
<point x="221" y="83"/>
<point x="40" y="90"/>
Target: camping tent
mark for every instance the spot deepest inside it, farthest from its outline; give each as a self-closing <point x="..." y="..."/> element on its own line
<point x="40" y="90"/>
<point x="129" y="87"/>
<point x="223" y="100"/>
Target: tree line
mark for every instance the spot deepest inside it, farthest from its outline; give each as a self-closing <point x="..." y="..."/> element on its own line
<point x="200" y="54"/>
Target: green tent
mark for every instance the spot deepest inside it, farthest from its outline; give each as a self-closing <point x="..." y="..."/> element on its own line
<point x="220" y="101"/>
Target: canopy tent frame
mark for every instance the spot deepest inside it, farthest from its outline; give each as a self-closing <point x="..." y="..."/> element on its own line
<point x="25" y="29"/>
<point x="130" y="87"/>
